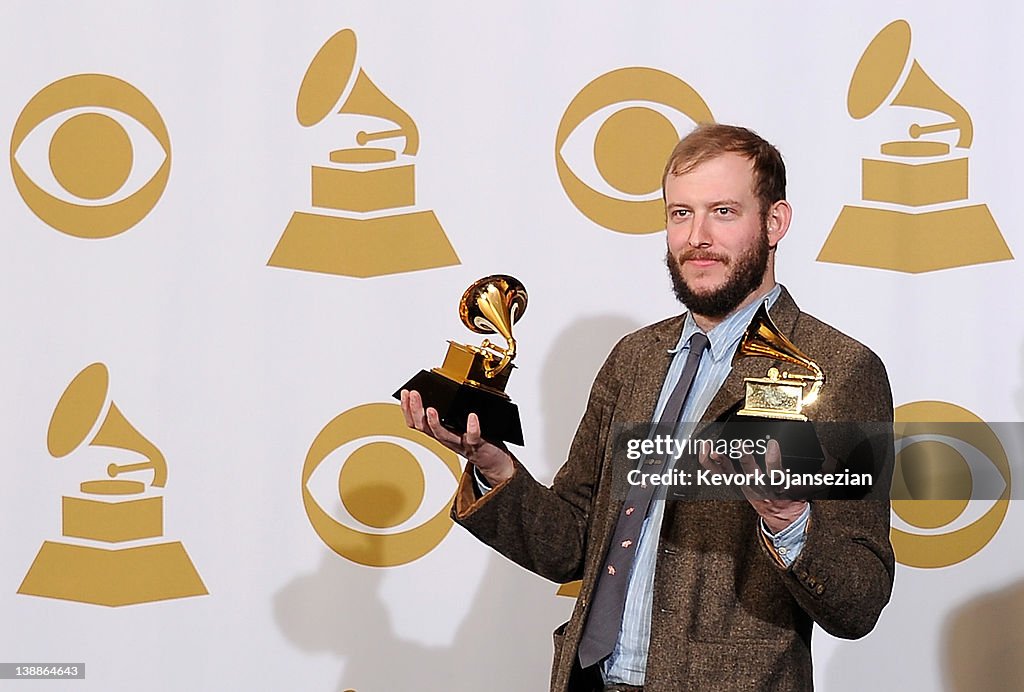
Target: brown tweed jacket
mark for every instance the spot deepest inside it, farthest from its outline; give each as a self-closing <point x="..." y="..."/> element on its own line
<point x="726" y="615"/>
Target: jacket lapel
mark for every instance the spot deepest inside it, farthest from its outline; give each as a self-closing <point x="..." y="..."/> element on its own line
<point x="653" y="362"/>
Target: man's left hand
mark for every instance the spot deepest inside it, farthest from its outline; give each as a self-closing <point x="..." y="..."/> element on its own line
<point x="776" y="509"/>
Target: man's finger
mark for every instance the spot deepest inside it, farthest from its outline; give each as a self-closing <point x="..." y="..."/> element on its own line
<point x="753" y="491"/>
<point x="748" y="463"/>
<point x="441" y="433"/>
<point x="773" y="456"/>
<point x="703" y="460"/>
<point x="416" y="411"/>
<point x="710" y="459"/>
<point x="406" y="412"/>
<point x="473" y="430"/>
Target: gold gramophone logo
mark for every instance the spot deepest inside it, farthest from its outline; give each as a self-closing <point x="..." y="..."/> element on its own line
<point x="367" y="468"/>
<point x="918" y="219"/>
<point x="943" y="454"/>
<point x="362" y="223"/>
<point x="116" y="555"/>
<point x="618" y="184"/>
<point x="79" y="147"/>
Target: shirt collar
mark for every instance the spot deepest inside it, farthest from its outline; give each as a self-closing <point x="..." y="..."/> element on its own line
<point x="726" y="335"/>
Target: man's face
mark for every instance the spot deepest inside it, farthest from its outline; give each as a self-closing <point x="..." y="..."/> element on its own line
<point x="718" y="243"/>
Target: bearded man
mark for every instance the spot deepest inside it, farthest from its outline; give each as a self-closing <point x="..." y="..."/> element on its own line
<point x="696" y="595"/>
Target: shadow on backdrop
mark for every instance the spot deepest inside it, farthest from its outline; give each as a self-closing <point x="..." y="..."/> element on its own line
<point x="982" y="642"/>
<point x="574" y="358"/>
<point x="504" y="642"/>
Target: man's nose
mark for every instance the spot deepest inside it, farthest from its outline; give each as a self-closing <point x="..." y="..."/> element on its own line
<point x="700" y="235"/>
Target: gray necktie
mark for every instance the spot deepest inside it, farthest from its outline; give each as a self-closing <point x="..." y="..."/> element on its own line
<point x="605" y="620"/>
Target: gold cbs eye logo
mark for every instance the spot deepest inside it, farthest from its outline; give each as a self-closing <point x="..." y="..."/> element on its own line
<point x="96" y="125"/>
<point x="950" y="465"/>
<point x="382" y="483"/>
<point x="630" y="147"/>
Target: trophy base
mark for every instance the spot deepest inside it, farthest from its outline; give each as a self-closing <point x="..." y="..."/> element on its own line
<point x="454" y="401"/>
<point x="798" y="439"/>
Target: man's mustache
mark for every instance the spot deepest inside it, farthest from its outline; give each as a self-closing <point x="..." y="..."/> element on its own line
<point x="701" y="255"/>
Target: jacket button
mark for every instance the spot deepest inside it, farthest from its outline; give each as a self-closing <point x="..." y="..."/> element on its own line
<point x="820" y="590"/>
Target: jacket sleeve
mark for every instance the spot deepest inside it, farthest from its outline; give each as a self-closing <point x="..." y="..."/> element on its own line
<point x="843" y="576"/>
<point x="545" y="529"/>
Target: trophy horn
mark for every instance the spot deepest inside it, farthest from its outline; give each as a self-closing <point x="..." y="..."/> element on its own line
<point x="491" y="305"/>
<point x="763" y="338"/>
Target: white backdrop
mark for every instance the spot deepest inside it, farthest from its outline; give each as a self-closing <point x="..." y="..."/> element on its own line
<point x="232" y="368"/>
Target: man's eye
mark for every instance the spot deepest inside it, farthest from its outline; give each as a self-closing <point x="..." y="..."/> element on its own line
<point x="723" y="211"/>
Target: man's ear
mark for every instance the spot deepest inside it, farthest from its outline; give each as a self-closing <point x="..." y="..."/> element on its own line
<point x="777" y="221"/>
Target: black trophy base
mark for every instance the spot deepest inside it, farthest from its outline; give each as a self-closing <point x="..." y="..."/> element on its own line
<point x="798" y="440"/>
<point x="454" y="401"/>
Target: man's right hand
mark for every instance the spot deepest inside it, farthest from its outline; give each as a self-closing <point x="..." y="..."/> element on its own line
<point x="494" y="463"/>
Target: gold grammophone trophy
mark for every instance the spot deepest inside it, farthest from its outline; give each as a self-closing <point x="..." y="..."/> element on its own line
<point x="472" y="378"/>
<point x="773" y="405"/>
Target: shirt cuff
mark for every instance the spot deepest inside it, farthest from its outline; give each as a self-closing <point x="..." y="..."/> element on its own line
<point x="788" y="543"/>
<point x="482" y="488"/>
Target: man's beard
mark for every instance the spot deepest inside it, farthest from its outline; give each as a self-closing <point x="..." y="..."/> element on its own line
<point x="746" y="275"/>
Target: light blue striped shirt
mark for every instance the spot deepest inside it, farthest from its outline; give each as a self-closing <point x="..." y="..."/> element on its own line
<point x="628" y="661"/>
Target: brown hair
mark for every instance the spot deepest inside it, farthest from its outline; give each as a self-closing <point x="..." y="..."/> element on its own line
<point x="709" y="140"/>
